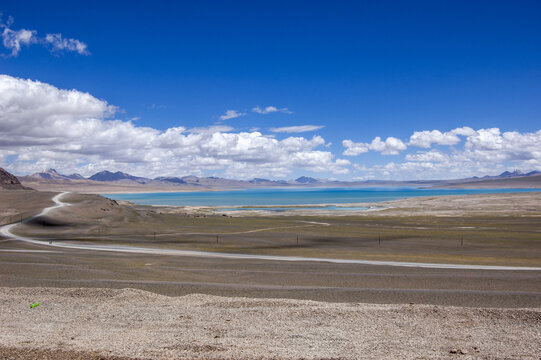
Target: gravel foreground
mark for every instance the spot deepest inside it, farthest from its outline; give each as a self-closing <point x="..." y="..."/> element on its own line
<point x="134" y="324"/>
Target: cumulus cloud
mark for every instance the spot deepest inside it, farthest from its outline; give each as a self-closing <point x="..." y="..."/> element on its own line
<point x="271" y="109"/>
<point x="391" y="146"/>
<point x="474" y="153"/>
<point x="353" y="148"/>
<point x="297" y="129"/>
<point x="211" y="129"/>
<point x="485" y="151"/>
<point x="231" y="114"/>
<point x="490" y="145"/>
<point x="13" y="40"/>
<point x="428" y="156"/>
<point x="425" y="139"/>
<point x="483" y="145"/>
<point x="418" y="169"/>
<point x="464" y="131"/>
<point x="43" y="126"/>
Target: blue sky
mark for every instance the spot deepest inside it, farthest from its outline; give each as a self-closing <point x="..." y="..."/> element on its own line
<point x="346" y="70"/>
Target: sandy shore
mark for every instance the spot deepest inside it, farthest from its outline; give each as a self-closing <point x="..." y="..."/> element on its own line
<point x="503" y="204"/>
<point x="138" y="324"/>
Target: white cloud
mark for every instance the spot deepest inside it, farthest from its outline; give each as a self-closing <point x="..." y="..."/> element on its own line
<point x="353" y="148"/>
<point x="425" y="139"/>
<point x="485" y="152"/>
<point x="12" y="40"/>
<point x="270" y="109"/>
<point x="42" y="126"/>
<point x="428" y="156"/>
<point x="464" y="131"/>
<point x="297" y="129"/>
<point x="211" y="129"/>
<point x="425" y="170"/>
<point x="490" y="145"/>
<point x="231" y="114"/>
<point x="483" y="146"/>
<point x="391" y="146"/>
<point x="58" y="43"/>
<point x="72" y="131"/>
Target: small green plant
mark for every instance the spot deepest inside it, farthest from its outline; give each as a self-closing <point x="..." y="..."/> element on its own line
<point x="36" y="304"/>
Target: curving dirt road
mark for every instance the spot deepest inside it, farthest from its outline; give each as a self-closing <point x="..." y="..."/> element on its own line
<point x="6" y="232"/>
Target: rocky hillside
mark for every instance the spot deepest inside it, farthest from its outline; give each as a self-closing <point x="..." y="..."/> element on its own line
<point x="117" y="176"/>
<point x="10" y="182"/>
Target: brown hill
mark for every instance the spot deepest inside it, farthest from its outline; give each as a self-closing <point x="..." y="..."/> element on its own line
<point x="10" y="182"/>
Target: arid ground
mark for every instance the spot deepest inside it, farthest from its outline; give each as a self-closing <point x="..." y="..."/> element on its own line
<point x="420" y="312"/>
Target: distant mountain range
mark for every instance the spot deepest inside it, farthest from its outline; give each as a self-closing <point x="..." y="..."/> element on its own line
<point x="509" y="174"/>
<point x="120" y="178"/>
<point x="507" y="179"/>
<point x="52" y="174"/>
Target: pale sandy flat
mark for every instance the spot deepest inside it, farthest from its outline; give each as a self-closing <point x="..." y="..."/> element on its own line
<point x="138" y="324"/>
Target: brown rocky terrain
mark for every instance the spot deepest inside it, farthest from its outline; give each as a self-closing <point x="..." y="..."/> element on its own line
<point x="142" y="325"/>
<point x="10" y="182"/>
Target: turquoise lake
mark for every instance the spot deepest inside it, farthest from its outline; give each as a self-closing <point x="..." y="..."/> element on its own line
<point x="294" y="196"/>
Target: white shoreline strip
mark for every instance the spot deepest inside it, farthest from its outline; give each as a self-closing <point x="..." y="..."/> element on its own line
<point x="27" y="251"/>
<point x="6" y="232"/>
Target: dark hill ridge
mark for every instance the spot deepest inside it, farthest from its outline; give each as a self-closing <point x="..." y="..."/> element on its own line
<point x="306" y="180"/>
<point x="52" y="174"/>
<point x="10" y="182"/>
<point x="511" y="174"/>
<point x="76" y="177"/>
<point x="171" y="179"/>
<point x="117" y="176"/>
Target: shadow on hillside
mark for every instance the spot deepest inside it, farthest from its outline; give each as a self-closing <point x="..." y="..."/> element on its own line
<point x="46" y="221"/>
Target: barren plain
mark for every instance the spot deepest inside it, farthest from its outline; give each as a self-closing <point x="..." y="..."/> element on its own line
<point x="272" y="309"/>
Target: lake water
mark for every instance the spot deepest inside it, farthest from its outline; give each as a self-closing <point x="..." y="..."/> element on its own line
<point x="304" y="207"/>
<point x="294" y="196"/>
